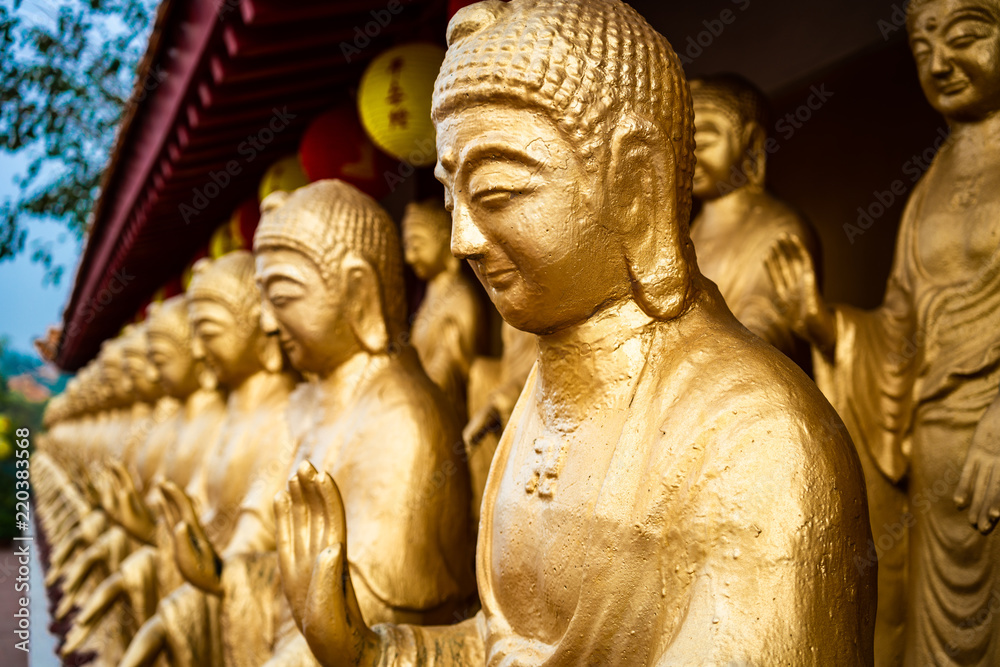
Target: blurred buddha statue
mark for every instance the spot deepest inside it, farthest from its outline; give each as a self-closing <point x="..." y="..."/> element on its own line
<point x="917" y="378"/>
<point x="329" y="263"/>
<point x="250" y="450"/>
<point x="174" y="447"/>
<point x="739" y="220"/>
<point x="446" y="327"/>
<point x="624" y="521"/>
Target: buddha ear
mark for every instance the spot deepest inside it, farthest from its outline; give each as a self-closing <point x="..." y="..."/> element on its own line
<point x="641" y="183"/>
<point x="365" y="313"/>
<point x="755" y="157"/>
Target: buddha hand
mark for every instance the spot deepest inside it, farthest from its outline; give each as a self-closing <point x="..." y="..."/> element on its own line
<point x="800" y="302"/>
<point x="196" y="557"/>
<point x="486" y="420"/>
<point x="110" y="591"/>
<point x="312" y="554"/>
<point x="979" y="487"/>
<point x="130" y="510"/>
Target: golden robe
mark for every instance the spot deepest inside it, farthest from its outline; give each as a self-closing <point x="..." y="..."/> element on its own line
<point x="723" y="530"/>
<point x="912" y="379"/>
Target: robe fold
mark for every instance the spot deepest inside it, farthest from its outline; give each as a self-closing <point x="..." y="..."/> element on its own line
<point x="724" y="532"/>
<point x="912" y="379"/>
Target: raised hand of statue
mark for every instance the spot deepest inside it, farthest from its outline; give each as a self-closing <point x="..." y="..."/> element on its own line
<point x="196" y="557"/>
<point x="486" y="420"/>
<point x="979" y="487"/>
<point x="793" y="275"/>
<point x="129" y="509"/>
<point x="312" y="555"/>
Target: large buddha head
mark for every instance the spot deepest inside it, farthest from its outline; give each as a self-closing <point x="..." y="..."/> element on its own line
<point x="171" y="360"/>
<point x="426" y="239"/>
<point x="730" y="118"/>
<point x="224" y="309"/>
<point x="956" y="44"/>
<point x="329" y="267"/>
<point x="565" y="144"/>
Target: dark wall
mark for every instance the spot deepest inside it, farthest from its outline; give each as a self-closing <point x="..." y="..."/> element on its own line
<point x="871" y="122"/>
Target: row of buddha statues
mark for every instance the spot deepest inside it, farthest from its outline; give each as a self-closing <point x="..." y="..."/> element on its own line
<point x="279" y="467"/>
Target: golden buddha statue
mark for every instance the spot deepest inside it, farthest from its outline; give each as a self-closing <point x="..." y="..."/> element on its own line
<point x="624" y="521"/>
<point x="110" y="391"/>
<point x="917" y="378"/>
<point x="183" y="418"/>
<point x="249" y="448"/>
<point x="446" y="327"/>
<point x="330" y="269"/>
<point x="739" y="220"/>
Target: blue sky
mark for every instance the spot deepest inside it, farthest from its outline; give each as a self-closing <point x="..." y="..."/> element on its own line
<point x="27" y="307"/>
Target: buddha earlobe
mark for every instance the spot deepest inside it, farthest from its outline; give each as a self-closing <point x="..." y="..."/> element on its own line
<point x="642" y="177"/>
<point x="366" y="314"/>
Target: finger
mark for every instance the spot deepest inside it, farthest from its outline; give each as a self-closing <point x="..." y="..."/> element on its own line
<point x="993" y="505"/>
<point x="333" y="509"/>
<point x="964" y="489"/>
<point x="181" y="502"/>
<point x="312" y="495"/>
<point x="283" y="537"/>
<point x="282" y="518"/>
<point x="335" y="505"/>
<point x="771" y="263"/>
<point x="988" y="500"/>
<point x="164" y="508"/>
<point x="979" y="493"/>
<point x="324" y="622"/>
<point x="300" y="518"/>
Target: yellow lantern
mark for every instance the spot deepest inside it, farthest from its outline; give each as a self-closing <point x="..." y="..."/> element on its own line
<point x="394" y="102"/>
<point x="285" y="174"/>
<point x="222" y="241"/>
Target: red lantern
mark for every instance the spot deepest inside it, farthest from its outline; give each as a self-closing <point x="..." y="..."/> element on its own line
<point x="336" y="146"/>
<point x="243" y="224"/>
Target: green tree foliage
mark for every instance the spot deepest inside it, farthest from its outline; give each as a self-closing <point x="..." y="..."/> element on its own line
<point x="68" y="71"/>
<point x="15" y="413"/>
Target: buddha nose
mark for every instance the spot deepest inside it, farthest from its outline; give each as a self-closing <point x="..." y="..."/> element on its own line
<point x="467" y="241"/>
<point x="268" y="322"/>
<point x="940" y="63"/>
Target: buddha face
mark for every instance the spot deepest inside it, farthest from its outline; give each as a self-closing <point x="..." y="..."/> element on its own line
<point x="226" y="343"/>
<point x="174" y="366"/>
<point x="423" y="246"/>
<point x="956" y="44"/>
<point x="718" y="147"/>
<point x="137" y="367"/>
<point x="115" y="378"/>
<point x="527" y="215"/>
<point x="306" y="314"/>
